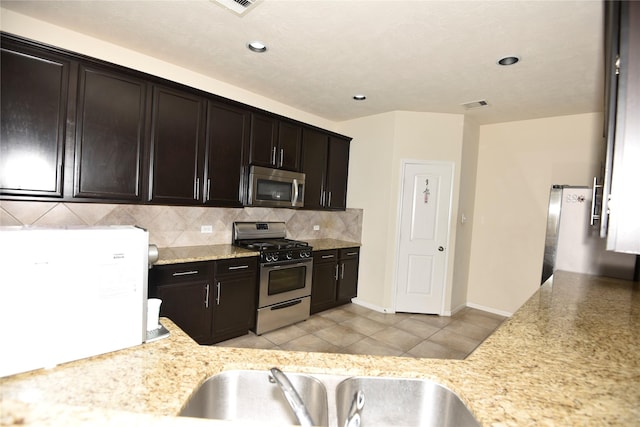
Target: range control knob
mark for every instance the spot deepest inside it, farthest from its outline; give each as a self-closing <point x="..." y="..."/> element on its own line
<point x="289" y="255"/>
<point x="274" y="257"/>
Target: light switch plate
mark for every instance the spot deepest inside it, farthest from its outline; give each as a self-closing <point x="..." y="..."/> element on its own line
<point x="206" y="228"/>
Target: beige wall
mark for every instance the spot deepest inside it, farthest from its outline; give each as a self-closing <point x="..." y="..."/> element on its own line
<point x="380" y="144"/>
<point x="469" y="167"/>
<point x="369" y="189"/>
<point x="517" y="164"/>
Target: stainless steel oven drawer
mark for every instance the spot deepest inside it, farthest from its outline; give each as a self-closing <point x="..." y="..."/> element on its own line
<point x="282" y="314"/>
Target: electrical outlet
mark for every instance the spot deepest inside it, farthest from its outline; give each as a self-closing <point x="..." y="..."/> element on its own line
<point x="206" y="229"/>
<point x="316" y="228"/>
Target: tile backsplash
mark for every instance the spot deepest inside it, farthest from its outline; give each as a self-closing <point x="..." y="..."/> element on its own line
<point x="171" y="226"/>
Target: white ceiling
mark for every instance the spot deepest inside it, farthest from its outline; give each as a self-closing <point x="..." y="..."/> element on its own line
<point x="404" y="55"/>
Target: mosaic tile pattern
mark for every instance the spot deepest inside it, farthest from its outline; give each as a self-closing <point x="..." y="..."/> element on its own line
<point x="177" y="226"/>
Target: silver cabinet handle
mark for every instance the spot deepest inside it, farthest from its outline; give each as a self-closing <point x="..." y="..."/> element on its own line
<point x="239" y="267"/>
<point x="206" y="298"/>
<point x="208" y="189"/>
<point x="327" y="256"/>
<point x="336" y="276"/>
<point x="273" y="156"/>
<point x="185" y="273"/>
<point x="218" y="294"/>
<point x="197" y="189"/>
<point x="329" y="203"/>
<point x="342" y="271"/>
<point x="352" y="253"/>
<point x="281" y="157"/>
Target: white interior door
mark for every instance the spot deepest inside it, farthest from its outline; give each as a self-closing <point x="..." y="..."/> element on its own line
<point x="425" y="208"/>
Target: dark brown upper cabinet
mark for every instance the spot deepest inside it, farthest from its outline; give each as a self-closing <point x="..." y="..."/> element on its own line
<point x="35" y="93"/>
<point x="325" y="162"/>
<point x="110" y="132"/>
<point x="177" y="146"/>
<point x="75" y="128"/>
<point x="337" y="173"/>
<point x="275" y="143"/>
<point x="227" y="154"/>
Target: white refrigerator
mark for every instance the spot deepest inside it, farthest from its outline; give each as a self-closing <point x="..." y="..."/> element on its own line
<point x="573" y="244"/>
<point x="70" y="293"/>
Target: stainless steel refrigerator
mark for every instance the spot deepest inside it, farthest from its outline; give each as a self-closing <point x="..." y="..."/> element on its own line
<point x="574" y="244"/>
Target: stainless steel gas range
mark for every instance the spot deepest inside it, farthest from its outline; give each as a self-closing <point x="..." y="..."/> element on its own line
<point x="284" y="295"/>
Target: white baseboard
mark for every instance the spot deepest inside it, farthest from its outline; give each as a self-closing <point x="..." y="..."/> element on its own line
<point x="446" y="313"/>
<point x="371" y="306"/>
<point x="489" y="309"/>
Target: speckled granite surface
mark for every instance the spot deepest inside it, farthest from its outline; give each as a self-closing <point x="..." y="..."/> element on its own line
<point x="323" y="244"/>
<point x="570" y="356"/>
<point x="200" y="253"/>
<point x="213" y="252"/>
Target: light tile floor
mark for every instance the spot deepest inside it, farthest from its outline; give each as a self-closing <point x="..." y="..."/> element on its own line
<point x="353" y="329"/>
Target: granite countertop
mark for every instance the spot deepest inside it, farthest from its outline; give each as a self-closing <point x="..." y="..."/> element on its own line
<point x="324" y="244"/>
<point x="569" y="356"/>
<point x="177" y="255"/>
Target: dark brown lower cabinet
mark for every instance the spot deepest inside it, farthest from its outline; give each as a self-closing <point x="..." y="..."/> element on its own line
<point x="324" y="282"/>
<point x="211" y="301"/>
<point x="349" y="260"/>
<point x="335" y="278"/>
<point x="234" y="310"/>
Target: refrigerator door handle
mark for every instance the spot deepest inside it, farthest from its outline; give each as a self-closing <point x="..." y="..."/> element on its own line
<point x="594" y="216"/>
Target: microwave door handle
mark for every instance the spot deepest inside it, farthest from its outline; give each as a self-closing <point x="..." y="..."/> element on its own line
<point x="295" y="192"/>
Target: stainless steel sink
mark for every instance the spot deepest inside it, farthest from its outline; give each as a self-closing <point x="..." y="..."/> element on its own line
<point x="402" y="402"/>
<point x="251" y="396"/>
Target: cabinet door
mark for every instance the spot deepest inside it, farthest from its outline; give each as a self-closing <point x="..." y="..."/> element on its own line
<point x="34" y="113"/>
<point x="186" y="304"/>
<point x="337" y="171"/>
<point x="235" y="306"/>
<point x="177" y="147"/>
<point x="325" y="275"/>
<point x="109" y="135"/>
<point x="348" y="280"/>
<point x="314" y="164"/>
<point x="289" y="146"/>
<point x="227" y="144"/>
<point x="264" y="132"/>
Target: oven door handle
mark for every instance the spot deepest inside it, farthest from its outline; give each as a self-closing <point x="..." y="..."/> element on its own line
<point x="298" y="264"/>
<point x="286" y="305"/>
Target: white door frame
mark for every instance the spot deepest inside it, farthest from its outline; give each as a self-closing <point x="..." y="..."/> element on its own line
<point x="403" y="165"/>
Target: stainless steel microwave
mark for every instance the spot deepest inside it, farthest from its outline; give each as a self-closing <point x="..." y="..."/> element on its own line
<point x="275" y="188"/>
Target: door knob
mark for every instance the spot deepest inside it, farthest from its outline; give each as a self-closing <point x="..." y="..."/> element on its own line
<point x="440" y="248"/>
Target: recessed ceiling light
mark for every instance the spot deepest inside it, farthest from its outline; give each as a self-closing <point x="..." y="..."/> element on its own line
<point x="359" y="97"/>
<point x="257" y="46"/>
<point x="508" y="60"/>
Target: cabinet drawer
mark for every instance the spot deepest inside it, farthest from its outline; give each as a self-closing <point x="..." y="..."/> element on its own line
<point x="236" y="265"/>
<point x="175" y="273"/>
<point x="348" y="253"/>
<point x="325" y="256"/>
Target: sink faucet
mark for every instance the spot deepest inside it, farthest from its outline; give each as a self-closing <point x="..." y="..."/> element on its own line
<point x="292" y="396"/>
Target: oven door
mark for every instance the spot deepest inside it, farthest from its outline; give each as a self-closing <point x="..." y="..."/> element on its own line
<point x="284" y="282"/>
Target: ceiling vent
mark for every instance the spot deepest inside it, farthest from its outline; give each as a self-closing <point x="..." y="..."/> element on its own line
<point x="475" y="104"/>
<point x="239" y="7"/>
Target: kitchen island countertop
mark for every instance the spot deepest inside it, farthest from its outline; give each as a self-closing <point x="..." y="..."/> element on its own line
<point x="568" y="356"/>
